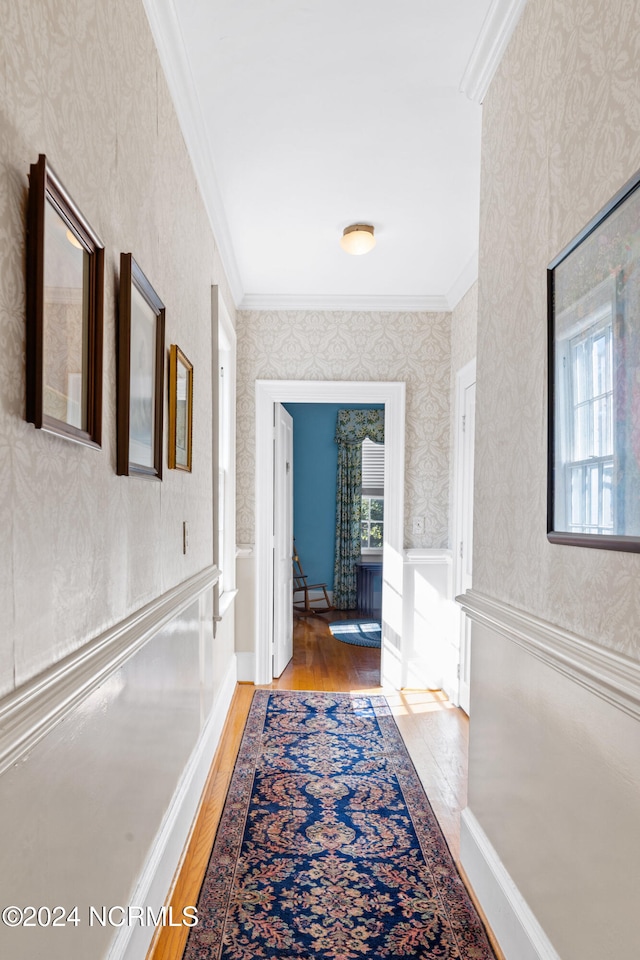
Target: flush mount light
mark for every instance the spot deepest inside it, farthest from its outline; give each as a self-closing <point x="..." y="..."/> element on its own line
<point x="73" y="240"/>
<point x="358" y="239"/>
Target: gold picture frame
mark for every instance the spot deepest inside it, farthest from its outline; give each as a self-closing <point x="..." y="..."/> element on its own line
<point x="180" y="410"/>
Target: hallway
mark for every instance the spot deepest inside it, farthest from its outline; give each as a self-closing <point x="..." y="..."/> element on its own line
<point x="435" y="732"/>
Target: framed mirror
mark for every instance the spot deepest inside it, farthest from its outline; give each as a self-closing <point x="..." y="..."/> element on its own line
<point x="140" y="374"/>
<point x="594" y="381"/>
<point x="65" y="292"/>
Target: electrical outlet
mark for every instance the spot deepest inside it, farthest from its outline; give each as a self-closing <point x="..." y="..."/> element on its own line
<point x="418" y="526"/>
<point x="185" y="536"/>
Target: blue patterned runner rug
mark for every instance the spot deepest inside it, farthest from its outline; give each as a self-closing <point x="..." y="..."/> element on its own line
<point x="327" y="848"/>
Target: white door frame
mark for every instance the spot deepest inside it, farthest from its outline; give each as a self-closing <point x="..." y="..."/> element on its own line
<point x="269" y="392"/>
<point x="465" y="377"/>
<point x="283" y="541"/>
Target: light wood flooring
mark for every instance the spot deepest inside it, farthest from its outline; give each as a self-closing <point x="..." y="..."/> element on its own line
<point x="435" y="732"/>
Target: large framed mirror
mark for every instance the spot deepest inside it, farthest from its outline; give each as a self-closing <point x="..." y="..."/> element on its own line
<point x="594" y="381"/>
<point x="65" y="292"/>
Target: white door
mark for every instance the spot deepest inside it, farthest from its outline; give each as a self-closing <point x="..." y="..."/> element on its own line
<point x="282" y="541"/>
<point x="464" y="513"/>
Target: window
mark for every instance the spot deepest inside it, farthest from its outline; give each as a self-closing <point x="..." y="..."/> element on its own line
<point x="587" y="435"/>
<point x="372" y="503"/>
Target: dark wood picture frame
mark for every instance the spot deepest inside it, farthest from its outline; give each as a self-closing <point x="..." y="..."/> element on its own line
<point x="60" y="398"/>
<point x="180" y="410"/>
<point x="140" y="374"/>
<point x="593" y="309"/>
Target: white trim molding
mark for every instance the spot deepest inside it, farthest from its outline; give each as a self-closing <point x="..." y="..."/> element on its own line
<point x="610" y="675"/>
<point x="30" y="712"/>
<point x="244" y="551"/>
<point x="497" y="29"/>
<point x="428" y="555"/>
<point x="270" y="392"/>
<point x="516" y="928"/>
<point x="371" y="304"/>
<point x="167" y="33"/>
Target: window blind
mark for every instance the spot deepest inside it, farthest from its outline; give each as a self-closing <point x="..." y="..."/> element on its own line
<point x="372" y="467"/>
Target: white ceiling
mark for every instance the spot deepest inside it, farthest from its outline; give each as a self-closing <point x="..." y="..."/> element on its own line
<point x="303" y="116"/>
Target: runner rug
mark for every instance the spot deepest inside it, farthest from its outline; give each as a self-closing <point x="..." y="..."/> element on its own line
<point x="328" y="847"/>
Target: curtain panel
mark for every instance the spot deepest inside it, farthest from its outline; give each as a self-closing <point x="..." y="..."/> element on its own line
<point x="352" y="427"/>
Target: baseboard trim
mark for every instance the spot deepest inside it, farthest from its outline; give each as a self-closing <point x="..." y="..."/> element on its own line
<point x="610" y="675"/>
<point x="29" y="713"/>
<point x="514" y="925"/>
<point x="165" y="858"/>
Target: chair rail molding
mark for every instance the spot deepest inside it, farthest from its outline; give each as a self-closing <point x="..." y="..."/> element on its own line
<point x="610" y="675"/>
<point x="30" y="712"/>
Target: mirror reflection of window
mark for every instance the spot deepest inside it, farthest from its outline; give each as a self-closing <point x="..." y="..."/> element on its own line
<point x="65" y="322"/>
<point x="142" y="397"/>
<point x="585" y="409"/>
<point x="591" y="464"/>
<point x="181" y="415"/>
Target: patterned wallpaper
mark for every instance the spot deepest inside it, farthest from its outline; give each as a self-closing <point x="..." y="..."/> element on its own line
<point x="80" y="548"/>
<point x="414" y="347"/>
<point x="561" y="134"/>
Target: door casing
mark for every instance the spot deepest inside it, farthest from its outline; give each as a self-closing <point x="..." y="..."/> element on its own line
<point x="463" y="515"/>
<point x="392" y="395"/>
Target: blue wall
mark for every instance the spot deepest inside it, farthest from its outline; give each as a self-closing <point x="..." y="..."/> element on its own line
<point x="315" y="462"/>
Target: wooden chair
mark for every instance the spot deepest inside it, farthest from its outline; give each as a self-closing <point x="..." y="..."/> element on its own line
<point x="305" y="605"/>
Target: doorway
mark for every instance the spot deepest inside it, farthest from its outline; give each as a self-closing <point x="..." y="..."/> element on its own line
<point x="392" y="396"/>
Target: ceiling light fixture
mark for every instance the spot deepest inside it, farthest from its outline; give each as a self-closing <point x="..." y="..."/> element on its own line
<point x="358" y="239"/>
<point x="71" y="237"/>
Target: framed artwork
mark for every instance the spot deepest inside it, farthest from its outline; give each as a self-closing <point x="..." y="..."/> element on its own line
<point x="180" y="410"/>
<point x="140" y="374"/>
<point x="65" y="292"/>
<point x="594" y="381"/>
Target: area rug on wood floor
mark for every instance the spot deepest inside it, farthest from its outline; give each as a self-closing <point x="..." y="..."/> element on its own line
<point x="362" y="633"/>
<point x="328" y="847"/>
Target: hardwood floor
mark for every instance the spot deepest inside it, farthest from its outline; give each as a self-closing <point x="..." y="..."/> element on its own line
<point x="436" y="734"/>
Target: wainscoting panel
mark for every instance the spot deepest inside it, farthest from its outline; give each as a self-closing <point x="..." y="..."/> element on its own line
<point x="98" y="806"/>
<point x="430" y="620"/>
<point x="554" y="788"/>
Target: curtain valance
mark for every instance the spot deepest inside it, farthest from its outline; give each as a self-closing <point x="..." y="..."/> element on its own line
<point x="353" y="426"/>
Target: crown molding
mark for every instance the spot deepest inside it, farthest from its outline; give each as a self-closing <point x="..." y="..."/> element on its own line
<point x="499" y="24"/>
<point x="356" y="303"/>
<point x="167" y="34"/>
